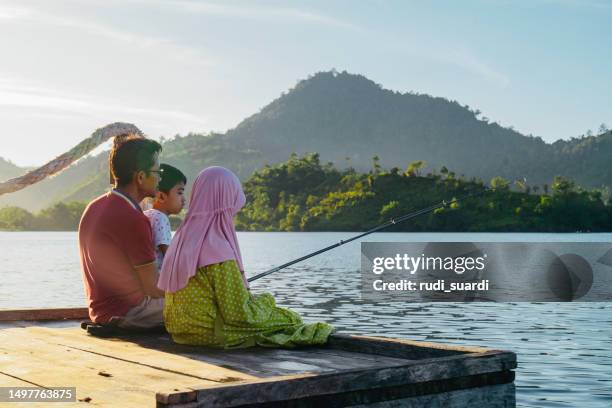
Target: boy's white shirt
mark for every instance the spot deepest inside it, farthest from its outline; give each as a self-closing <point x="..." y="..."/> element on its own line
<point x="162" y="233"/>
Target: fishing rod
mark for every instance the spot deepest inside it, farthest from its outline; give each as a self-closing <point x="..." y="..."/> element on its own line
<point x="387" y="224"/>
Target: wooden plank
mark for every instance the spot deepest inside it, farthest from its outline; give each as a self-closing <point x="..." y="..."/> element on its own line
<point x="44" y="314"/>
<point x="256" y="362"/>
<point x="11" y="381"/>
<point x="307" y="385"/>
<point x="373" y="358"/>
<point x="132" y="351"/>
<point x="269" y="361"/>
<point x="334" y="359"/>
<point x="106" y="381"/>
<point x="398" y="348"/>
<point x="274" y="362"/>
<point x="262" y="362"/>
<point x="484" y="388"/>
<point x="494" y="396"/>
<point x="258" y="365"/>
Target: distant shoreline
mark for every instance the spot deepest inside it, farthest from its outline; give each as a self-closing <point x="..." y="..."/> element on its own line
<point x="302" y="194"/>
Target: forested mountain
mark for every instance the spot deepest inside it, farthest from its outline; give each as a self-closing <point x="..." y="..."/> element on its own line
<point x="348" y="119"/>
<point x="342" y="116"/>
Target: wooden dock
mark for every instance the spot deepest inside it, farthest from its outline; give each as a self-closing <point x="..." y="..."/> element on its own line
<point x="47" y="348"/>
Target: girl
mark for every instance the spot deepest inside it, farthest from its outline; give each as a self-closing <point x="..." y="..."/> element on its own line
<point x="208" y="301"/>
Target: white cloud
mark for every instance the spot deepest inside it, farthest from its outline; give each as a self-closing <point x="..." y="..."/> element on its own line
<point x="472" y="63"/>
<point x="164" y="46"/>
<point x="272" y="14"/>
<point x="458" y="56"/>
<point x="39" y="100"/>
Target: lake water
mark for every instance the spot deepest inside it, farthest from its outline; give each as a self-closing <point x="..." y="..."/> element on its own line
<point x="564" y="353"/>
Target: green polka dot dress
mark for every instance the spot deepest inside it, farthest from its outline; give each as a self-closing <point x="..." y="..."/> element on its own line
<point x="215" y="309"/>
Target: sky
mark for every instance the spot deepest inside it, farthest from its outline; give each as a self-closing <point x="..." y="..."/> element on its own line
<point x="171" y="67"/>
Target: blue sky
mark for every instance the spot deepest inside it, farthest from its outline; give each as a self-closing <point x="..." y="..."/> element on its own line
<point x="69" y="67"/>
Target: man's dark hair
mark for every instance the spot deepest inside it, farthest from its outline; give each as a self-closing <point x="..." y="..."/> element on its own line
<point x="170" y="177"/>
<point x="131" y="156"/>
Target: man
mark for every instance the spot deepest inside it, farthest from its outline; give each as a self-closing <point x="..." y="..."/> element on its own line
<point x="116" y="245"/>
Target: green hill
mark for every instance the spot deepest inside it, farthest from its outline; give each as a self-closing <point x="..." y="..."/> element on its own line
<point x="304" y="195"/>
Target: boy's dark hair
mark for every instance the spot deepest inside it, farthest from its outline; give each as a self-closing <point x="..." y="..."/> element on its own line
<point x="170" y="177"/>
<point x="130" y="156"/>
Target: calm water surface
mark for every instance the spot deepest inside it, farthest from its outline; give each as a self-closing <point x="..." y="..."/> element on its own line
<point x="565" y="358"/>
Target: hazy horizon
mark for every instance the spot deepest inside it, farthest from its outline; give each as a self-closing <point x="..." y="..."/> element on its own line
<point x="173" y="67"/>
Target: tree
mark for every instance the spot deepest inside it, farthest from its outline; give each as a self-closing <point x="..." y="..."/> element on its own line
<point x="16" y="219"/>
<point x="376" y="166"/>
<point x="390" y="209"/>
<point x="522" y="185"/>
<point x="414" y="169"/>
<point x="61" y="217"/>
<point x="603" y="128"/>
<point x="499" y="183"/>
<point x="562" y="186"/>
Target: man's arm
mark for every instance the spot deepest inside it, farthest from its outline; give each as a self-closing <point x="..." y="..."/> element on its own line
<point x="148" y="278"/>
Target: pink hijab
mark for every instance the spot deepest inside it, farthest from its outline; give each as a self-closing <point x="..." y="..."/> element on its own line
<point x="207" y="234"/>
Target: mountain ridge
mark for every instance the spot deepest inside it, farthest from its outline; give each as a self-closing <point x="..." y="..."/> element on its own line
<point x="348" y="119"/>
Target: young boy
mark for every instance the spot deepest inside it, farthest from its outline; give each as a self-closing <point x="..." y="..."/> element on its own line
<point x="169" y="200"/>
